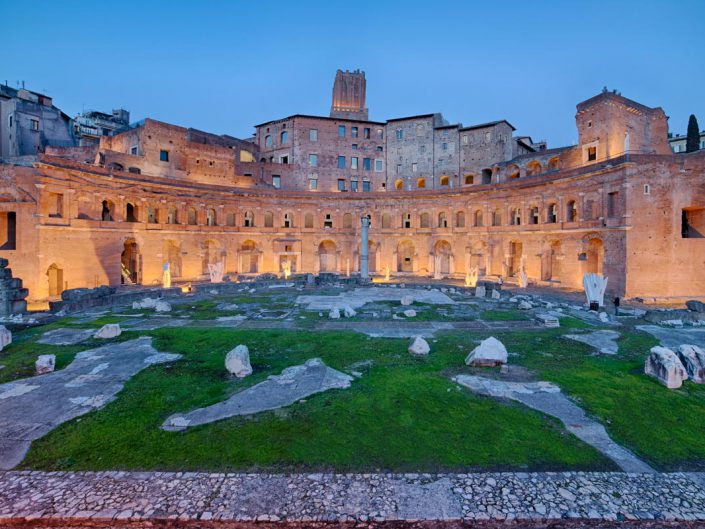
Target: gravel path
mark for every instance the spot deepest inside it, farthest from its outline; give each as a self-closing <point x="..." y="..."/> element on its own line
<point x="44" y="498"/>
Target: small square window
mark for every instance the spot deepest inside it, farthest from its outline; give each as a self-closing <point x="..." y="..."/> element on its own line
<point x="380" y="148"/>
<point x="163" y="155"/>
<point x="133" y="151"/>
<point x="354" y="146"/>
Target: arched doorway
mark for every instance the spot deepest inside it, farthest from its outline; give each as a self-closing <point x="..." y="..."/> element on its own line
<point x="514" y="259"/>
<point x="131" y="262"/>
<point x="327" y="257"/>
<point x="405" y="256"/>
<point x="442" y="255"/>
<point x="249" y="257"/>
<point x="55" y="275"/>
<point x="595" y="256"/>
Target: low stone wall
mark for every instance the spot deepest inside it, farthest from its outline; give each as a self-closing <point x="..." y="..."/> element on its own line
<point x="108" y="297"/>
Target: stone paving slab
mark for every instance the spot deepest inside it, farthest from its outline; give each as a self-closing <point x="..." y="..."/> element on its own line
<point x="547" y="398"/>
<point x="673" y="338"/>
<point x="190" y="499"/>
<point x="66" y="336"/>
<point x="32" y="407"/>
<point x="361" y="296"/>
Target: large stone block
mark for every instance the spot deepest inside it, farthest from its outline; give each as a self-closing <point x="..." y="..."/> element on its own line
<point x="490" y="352"/>
<point x="664" y="365"/>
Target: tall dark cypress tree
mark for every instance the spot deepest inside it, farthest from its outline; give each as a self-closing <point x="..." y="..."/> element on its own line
<point x="692" y="142"/>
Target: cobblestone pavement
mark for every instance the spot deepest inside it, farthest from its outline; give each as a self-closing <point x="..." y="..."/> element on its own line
<point x="43" y="498"/>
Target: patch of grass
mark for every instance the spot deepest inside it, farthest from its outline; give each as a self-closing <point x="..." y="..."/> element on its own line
<point x="503" y="315"/>
<point x="404" y="414"/>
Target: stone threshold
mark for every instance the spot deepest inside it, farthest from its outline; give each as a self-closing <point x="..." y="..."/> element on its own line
<point x="502" y="499"/>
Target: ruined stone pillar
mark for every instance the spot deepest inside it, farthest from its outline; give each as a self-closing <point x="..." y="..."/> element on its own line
<point x="364" y="257"/>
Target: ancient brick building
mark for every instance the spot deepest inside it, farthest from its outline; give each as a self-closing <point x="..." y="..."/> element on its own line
<point x="443" y="198"/>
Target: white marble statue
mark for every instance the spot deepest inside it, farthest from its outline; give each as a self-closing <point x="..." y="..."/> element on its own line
<point x="166" y="276"/>
<point x="386" y="273"/>
<point x="595" y="286"/>
<point x="286" y="269"/>
<point x="471" y="277"/>
<point x="436" y="267"/>
<point x="215" y="271"/>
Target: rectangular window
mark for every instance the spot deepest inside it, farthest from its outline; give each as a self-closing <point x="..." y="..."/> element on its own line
<point x="366" y="133"/>
<point x="10" y="121"/>
<point x="380" y="134"/>
<point x="164" y="155"/>
<point x="354" y="146"/>
<point x="379" y="166"/>
<point x="591" y="154"/>
<point x="34" y="124"/>
<point x="277" y="181"/>
<point x="341" y="184"/>
<point x="414" y="167"/>
<point x="398" y="168"/>
<point x="465" y="139"/>
<point x="313" y="183"/>
<point x="366" y="186"/>
<point x="341" y="131"/>
<point x="353" y="162"/>
<point x="444" y="146"/>
<point x="353" y="132"/>
<point x="353" y="185"/>
<point x="341" y="162"/>
<point x="400" y="134"/>
<point x="366" y="164"/>
<point x="313" y="135"/>
<point x="380" y="148"/>
<point x="133" y="151"/>
<point x="313" y="160"/>
<point x="612" y="204"/>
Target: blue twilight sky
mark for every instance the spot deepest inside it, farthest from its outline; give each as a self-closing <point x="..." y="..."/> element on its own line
<point x="226" y="66"/>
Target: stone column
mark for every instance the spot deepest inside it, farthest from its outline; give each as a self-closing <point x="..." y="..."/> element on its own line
<point x="364" y="257"/>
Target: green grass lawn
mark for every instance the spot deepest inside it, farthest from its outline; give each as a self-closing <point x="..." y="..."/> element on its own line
<point x="404" y="414"/>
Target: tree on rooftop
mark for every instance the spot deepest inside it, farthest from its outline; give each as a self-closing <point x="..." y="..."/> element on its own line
<point x="692" y="142"/>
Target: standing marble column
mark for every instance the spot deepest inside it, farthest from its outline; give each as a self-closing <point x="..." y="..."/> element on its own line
<point x="364" y="257"/>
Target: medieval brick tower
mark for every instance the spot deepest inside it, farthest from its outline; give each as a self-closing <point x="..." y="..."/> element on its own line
<point x="349" y="95"/>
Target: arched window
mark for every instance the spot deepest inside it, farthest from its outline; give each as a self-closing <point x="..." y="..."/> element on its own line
<point x="425" y="220"/>
<point x="386" y="221"/>
<point x="421" y="183"/>
<point x="288" y="220"/>
<point x="496" y="218"/>
<point x="552" y="213"/>
<point x="172" y="216"/>
<point x="554" y="164"/>
<point x="460" y="219"/>
<point x="469" y="179"/>
<point x="152" y="215"/>
<point x="230" y="218"/>
<point x="513" y="172"/>
<point x="131" y="213"/>
<point x="442" y="220"/>
<point x="108" y="210"/>
<point x="533" y="168"/>
<point x="308" y="220"/>
<point x="268" y="219"/>
<point x="445" y="180"/>
<point x="477" y="221"/>
<point x="249" y="219"/>
<point x="487" y="176"/>
<point x="515" y="218"/>
<point x="347" y="221"/>
<point x="211" y="219"/>
<point x="192" y="217"/>
<point x="398" y="184"/>
<point x="571" y="211"/>
<point x="284" y="137"/>
<point x="534" y="215"/>
<point x="267" y="141"/>
<point x="328" y="221"/>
